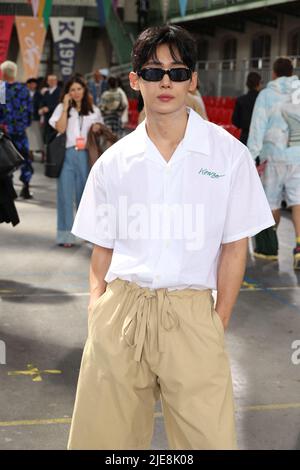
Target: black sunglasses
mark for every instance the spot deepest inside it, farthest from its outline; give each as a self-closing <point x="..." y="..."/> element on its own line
<point x="156" y="75"/>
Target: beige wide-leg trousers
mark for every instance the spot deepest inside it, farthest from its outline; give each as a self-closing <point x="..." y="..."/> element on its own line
<point x="144" y="344"/>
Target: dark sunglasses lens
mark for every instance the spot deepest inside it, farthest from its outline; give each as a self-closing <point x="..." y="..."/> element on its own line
<point x="155" y="75"/>
<point x="180" y="75"/>
<point x="152" y="75"/>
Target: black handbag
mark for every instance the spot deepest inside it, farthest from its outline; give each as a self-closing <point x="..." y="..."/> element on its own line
<point x="10" y="157"/>
<point x="55" y="156"/>
<point x="266" y="242"/>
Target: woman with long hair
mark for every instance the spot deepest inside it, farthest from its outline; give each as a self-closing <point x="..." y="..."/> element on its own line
<point x="74" y="115"/>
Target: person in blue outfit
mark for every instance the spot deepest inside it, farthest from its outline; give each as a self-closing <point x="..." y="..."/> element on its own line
<point x="15" y="116"/>
<point x="98" y="85"/>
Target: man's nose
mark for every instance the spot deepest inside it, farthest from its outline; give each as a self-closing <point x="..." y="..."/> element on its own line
<point x="166" y="81"/>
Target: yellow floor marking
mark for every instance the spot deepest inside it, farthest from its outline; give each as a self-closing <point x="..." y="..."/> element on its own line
<point x="249" y="285"/>
<point x="34" y="372"/>
<point x="275" y="406"/>
<point x="37" y="422"/>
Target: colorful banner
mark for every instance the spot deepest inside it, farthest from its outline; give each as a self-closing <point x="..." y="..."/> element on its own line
<point x="35" y="6"/>
<point x="45" y="7"/>
<point x="6" y="24"/>
<point x="182" y="7"/>
<point x="115" y="4"/>
<point x="165" y="9"/>
<point x="101" y="13"/>
<point x="66" y="36"/>
<point x="41" y="8"/>
<point x="31" y="34"/>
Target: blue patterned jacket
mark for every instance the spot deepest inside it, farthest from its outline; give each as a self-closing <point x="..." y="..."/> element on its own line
<point x="17" y="111"/>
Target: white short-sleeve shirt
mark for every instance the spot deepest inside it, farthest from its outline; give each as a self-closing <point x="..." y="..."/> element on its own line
<point x="78" y="126"/>
<point x="166" y="221"/>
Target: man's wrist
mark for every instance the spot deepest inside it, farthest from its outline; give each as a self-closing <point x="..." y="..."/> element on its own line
<point x="224" y="316"/>
<point x="95" y="294"/>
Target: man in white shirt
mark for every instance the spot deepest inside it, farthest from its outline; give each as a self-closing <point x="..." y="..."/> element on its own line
<point x="169" y="209"/>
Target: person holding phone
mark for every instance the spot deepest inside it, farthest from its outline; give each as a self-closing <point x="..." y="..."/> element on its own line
<point x="74" y="116"/>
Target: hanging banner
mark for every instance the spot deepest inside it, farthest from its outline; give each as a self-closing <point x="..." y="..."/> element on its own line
<point x="115" y="4"/>
<point x="66" y="36"/>
<point x="35" y="6"/>
<point x="44" y="11"/>
<point x="182" y="7"/>
<point x="41" y="8"/>
<point x="31" y="34"/>
<point x="47" y="12"/>
<point x="101" y="13"/>
<point x="6" y="24"/>
<point x="165" y="9"/>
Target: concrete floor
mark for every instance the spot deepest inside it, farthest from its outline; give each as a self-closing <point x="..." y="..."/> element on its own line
<point x="43" y="300"/>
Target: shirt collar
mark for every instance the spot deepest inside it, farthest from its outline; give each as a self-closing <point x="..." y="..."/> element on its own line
<point x="196" y="138"/>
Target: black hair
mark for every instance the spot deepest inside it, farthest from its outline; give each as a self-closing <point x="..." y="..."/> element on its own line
<point x="32" y="80"/>
<point x="86" y="103"/>
<point x="253" y="80"/>
<point x="177" y="38"/>
<point x="283" y="67"/>
<point x="140" y="103"/>
<point x="112" y="82"/>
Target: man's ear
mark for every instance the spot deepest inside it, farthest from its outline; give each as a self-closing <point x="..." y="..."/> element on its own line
<point x="193" y="82"/>
<point x="134" y="81"/>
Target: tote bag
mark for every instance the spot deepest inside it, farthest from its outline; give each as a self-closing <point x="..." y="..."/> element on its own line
<point x="10" y="157"/>
<point x="55" y="156"/>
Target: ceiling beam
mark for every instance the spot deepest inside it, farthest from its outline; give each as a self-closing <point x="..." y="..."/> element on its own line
<point x="265" y="19"/>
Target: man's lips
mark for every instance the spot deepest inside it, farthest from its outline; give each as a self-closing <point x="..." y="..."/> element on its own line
<point x="165" y="98"/>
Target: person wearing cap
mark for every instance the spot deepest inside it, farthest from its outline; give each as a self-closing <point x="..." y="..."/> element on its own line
<point x="98" y="85"/>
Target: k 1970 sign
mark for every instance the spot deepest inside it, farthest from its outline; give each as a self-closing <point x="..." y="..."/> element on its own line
<point x="66" y="34"/>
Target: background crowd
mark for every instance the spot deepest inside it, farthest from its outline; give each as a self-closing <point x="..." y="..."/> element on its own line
<point x="95" y="113"/>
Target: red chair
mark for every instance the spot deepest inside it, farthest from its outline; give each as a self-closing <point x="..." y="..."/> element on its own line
<point x="221" y="117"/>
<point x="232" y="130"/>
<point x="215" y="115"/>
<point x="211" y="101"/>
<point x="209" y="111"/>
<point x="237" y="132"/>
<point x="133" y="116"/>
<point x="228" y="128"/>
<point x="132" y="104"/>
<point x="218" y="101"/>
<point x="229" y="102"/>
<point x="227" y="115"/>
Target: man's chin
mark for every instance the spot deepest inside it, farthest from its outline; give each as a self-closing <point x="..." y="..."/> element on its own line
<point x="166" y="110"/>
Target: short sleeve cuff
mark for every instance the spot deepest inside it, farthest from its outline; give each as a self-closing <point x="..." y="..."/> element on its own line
<point x="247" y="233"/>
<point x="105" y="243"/>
